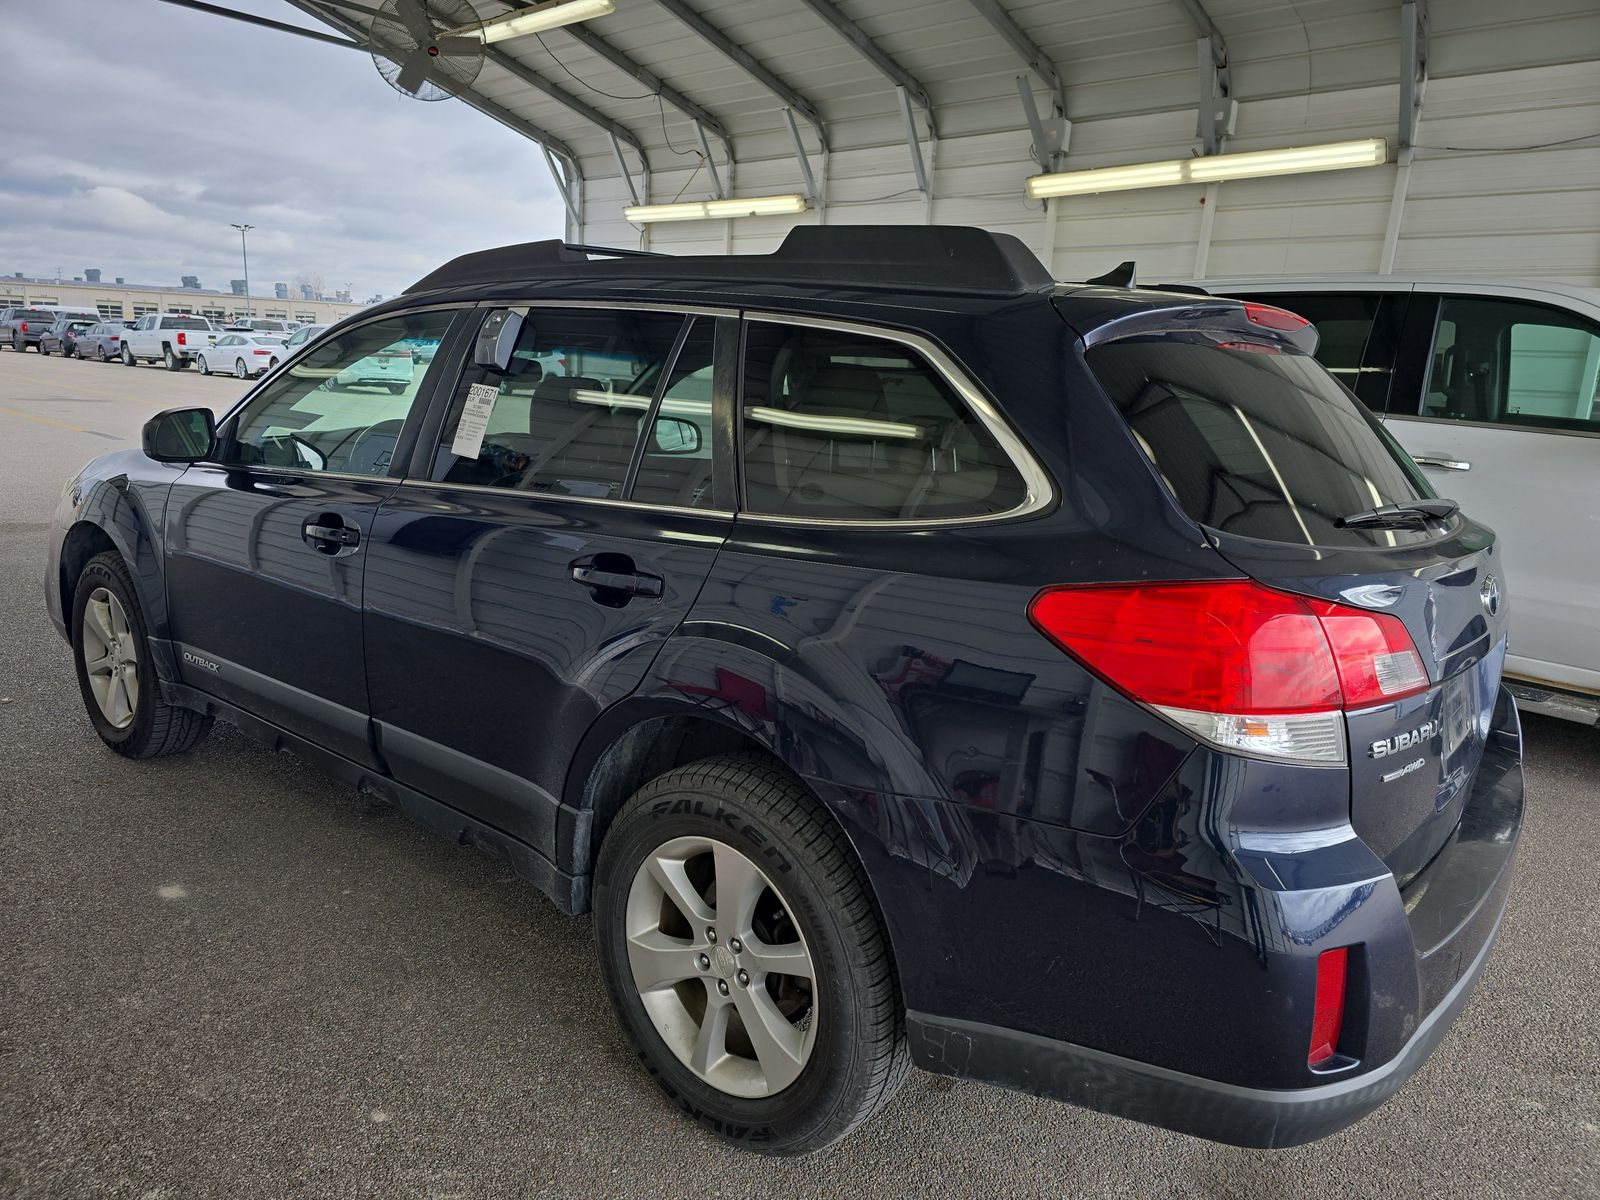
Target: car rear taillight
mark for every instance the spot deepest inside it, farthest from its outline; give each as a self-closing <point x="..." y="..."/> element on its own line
<point x="183" y="338"/>
<point x="1327" y="1017"/>
<point x="115" y="337"/>
<point x="1240" y="665"/>
<point x="261" y="352"/>
<point x="23" y="326"/>
<point x="1268" y="317"/>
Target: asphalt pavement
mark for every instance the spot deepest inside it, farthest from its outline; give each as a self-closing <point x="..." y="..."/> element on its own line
<point x="225" y="975"/>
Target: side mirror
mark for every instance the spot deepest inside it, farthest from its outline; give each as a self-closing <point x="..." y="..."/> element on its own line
<point x="497" y="339"/>
<point x="672" y="436"/>
<point x="180" y="435"/>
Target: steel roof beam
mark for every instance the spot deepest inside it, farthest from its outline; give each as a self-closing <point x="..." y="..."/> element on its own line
<point x="590" y="40"/>
<point x="1026" y="49"/>
<point x="1217" y="106"/>
<point x="742" y="58"/>
<point x="874" y="54"/>
<point x="582" y="108"/>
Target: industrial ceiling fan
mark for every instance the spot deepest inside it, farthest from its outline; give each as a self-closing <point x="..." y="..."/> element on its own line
<point x="418" y="46"/>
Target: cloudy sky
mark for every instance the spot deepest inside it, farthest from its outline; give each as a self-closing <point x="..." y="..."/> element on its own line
<point x="176" y="123"/>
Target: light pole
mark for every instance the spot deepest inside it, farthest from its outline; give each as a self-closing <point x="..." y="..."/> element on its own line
<point x="243" y="250"/>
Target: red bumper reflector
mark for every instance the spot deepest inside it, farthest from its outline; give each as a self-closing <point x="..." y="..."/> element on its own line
<point x="1328" y="1018"/>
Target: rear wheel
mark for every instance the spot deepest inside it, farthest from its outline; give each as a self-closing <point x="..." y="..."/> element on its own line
<point x="115" y="673"/>
<point x="743" y="952"/>
<point x="100" y="352"/>
<point x="170" y="360"/>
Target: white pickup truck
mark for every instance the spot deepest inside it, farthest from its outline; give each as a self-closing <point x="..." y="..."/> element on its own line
<point x="173" y="339"/>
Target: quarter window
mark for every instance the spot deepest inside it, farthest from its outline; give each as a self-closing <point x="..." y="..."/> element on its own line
<point x="564" y="418"/>
<point x="845" y="426"/>
<point x="1513" y="363"/>
<point x="340" y="407"/>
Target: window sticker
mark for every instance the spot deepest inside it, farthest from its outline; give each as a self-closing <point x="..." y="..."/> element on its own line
<point x="481" y="398"/>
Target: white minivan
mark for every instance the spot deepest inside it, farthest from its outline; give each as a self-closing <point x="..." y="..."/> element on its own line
<point x="1493" y="387"/>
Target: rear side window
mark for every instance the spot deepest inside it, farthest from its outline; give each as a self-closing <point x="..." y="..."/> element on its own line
<point x="852" y="427"/>
<point x="1513" y="363"/>
<point x="1262" y="445"/>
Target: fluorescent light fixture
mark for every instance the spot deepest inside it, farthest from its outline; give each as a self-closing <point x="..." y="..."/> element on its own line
<point x="704" y="210"/>
<point x="1252" y="164"/>
<point x="848" y="426"/>
<point x="537" y="20"/>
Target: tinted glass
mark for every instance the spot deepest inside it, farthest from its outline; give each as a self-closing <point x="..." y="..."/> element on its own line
<point x="1359" y="334"/>
<point x="341" y="406"/>
<point x="844" y="426"/>
<point x="42" y="315"/>
<point x="564" y="417"/>
<point x="1511" y="363"/>
<point x="185" y="323"/>
<point x="675" y="463"/>
<point x="1263" y="445"/>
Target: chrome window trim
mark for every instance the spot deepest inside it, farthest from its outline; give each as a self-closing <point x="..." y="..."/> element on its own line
<point x="1039" y="489"/>
<point x="526" y="495"/>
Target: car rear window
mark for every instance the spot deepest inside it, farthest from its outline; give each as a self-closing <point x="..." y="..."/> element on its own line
<point x="1255" y="442"/>
<point x="184" y="323"/>
<point x="31" y="315"/>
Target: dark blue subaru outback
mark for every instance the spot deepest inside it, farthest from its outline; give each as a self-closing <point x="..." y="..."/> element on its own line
<point x="907" y="658"/>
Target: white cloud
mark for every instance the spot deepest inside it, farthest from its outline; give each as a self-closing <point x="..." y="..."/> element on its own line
<point x="183" y="123"/>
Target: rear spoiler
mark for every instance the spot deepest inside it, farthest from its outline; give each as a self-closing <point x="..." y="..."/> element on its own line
<point x="1226" y="320"/>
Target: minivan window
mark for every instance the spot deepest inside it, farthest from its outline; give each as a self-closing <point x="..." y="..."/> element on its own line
<point x="1255" y="442"/>
<point x="853" y="427"/>
<point x="1513" y="363"/>
<point x="564" y="418"/>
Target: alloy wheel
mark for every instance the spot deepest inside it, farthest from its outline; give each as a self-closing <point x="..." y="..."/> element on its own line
<point x="238" y="369"/>
<point x="721" y="967"/>
<point x="110" y="658"/>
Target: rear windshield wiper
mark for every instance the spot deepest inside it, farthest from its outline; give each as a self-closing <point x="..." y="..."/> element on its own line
<point x="1410" y="514"/>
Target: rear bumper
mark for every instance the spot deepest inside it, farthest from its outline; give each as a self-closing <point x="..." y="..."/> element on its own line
<point x="1265" y="1118"/>
<point x="1419" y="953"/>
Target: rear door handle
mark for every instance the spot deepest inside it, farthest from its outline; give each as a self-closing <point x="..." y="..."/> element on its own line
<point x="633" y="583"/>
<point x="1441" y="462"/>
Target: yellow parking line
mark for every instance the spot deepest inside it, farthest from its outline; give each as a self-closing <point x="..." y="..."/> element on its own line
<point x="17" y="412"/>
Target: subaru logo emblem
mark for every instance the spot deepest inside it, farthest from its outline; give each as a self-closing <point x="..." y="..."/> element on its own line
<point x="1489" y="593"/>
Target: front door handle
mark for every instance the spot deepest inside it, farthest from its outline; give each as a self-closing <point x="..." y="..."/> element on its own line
<point x="1441" y="462"/>
<point x="336" y="540"/>
<point x="617" y="580"/>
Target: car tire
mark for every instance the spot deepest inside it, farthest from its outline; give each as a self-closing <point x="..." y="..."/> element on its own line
<point x="170" y="360"/>
<point x="43" y="352"/>
<point x="205" y="368"/>
<point x="809" y="903"/>
<point x="116" y="673"/>
<point x="128" y="359"/>
<point x="100" y="352"/>
<point x="239" y="369"/>
<point x="272" y="364"/>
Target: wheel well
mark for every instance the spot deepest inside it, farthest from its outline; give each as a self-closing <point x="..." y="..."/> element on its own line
<point x="83" y="542"/>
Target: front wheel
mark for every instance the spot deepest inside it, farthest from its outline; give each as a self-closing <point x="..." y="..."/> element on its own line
<point x="205" y="368"/>
<point x="115" y="673"/>
<point x="744" y="954"/>
<point x="128" y="359"/>
<point x="43" y="349"/>
<point x="239" y="369"/>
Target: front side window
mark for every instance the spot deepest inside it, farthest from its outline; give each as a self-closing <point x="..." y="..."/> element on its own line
<point x="565" y="416"/>
<point x="855" y="427"/>
<point x="1509" y="362"/>
<point x="341" y="406"/>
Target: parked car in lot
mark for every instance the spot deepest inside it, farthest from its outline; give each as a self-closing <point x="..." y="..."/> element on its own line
<point x="245" y="354"/>
<point x="908" y="660"/>
<point x="172" y="339"/>
<point x="258" y="325"/>
<point x="62" y="336"/>
<point x="1493" y="387"/>
<point x="102" y="342"/>
<point x="303" y="335"/>
<point x="22" y="326"/>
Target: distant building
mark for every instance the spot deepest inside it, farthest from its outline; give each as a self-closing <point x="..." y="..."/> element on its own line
<point x="192" y="281"/>
<point x="121" y="282"/>
<point x="237" y="285"/>
<point x="280" y="291"/>
<point x="306" y="292"/>
<point x="92" y="275"/>
<point x="119" y="301"/>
